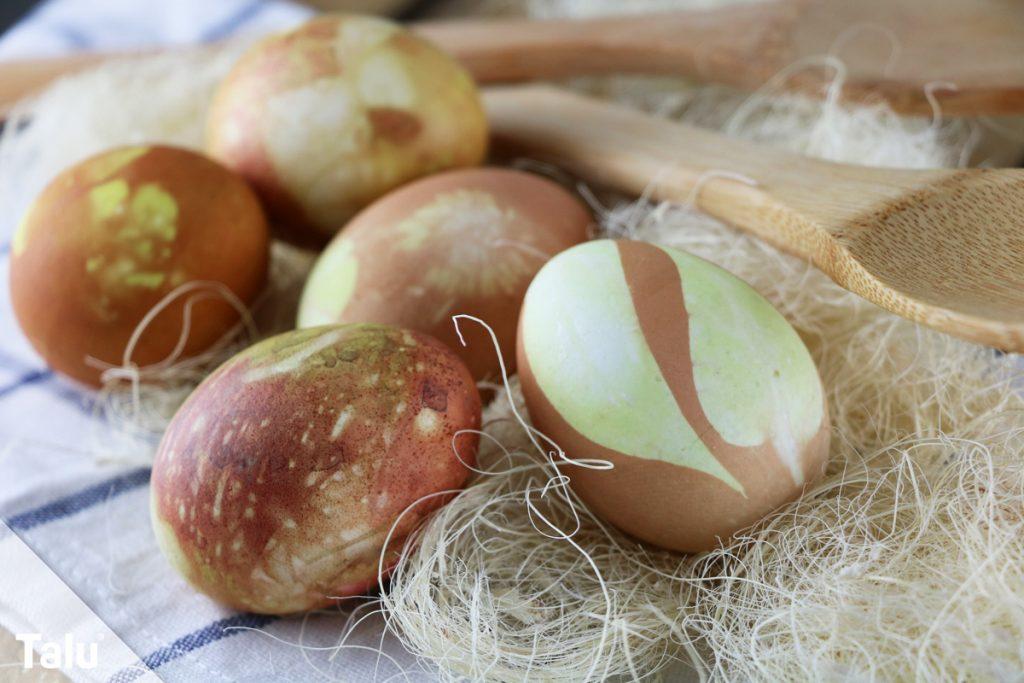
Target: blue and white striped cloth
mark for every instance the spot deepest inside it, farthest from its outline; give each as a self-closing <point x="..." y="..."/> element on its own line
<point x="88" y="522"/>
<point x="57" y="27"/>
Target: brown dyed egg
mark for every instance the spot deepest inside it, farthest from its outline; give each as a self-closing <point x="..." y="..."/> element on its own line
<point x="328" y="117"/>
<point x="466" y="241"/>
<point x="278" y="481"/>
<point x="111" y="236"/>
<point x="696" y="390"/>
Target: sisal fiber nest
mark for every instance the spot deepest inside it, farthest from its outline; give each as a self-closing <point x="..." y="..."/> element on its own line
<point x="905" y="562"/>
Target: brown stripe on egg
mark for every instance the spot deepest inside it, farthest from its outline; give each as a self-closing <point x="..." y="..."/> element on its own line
<point x="665" y="323"/>
<point x="698" y="520"/>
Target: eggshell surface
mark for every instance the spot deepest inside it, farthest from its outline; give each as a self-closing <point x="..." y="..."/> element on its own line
<point x="467" y="241"/>
<point x="690" y="383"/>
<point x="110" y="237"/>
<point x="277" y="482"/>
<point x="328" y="117"/>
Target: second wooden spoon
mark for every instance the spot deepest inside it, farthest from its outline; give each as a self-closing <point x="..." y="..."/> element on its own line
<point x="943" y="247"/>
<point x="907" y="52"/>
<point x="968" y="55"/>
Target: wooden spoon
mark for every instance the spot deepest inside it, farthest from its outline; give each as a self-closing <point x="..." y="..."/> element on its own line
<point x="942" y="247"/>
<point x="899" y="50"/>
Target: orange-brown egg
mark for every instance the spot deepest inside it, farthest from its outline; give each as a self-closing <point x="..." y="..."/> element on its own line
<point x="466" y="241"/>
<point x="279" y="480"/>
<point x="113" y="235"/>
<point x="326" y="118"/>
<point x="688" y="382"/>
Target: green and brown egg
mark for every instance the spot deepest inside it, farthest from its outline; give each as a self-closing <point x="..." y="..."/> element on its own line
<point x="278" y="481"/>
<point x="108" y="238"/>
<point x="328" y="117"/>
<point x="463" y="242"/>
<point x="697" y="391"/>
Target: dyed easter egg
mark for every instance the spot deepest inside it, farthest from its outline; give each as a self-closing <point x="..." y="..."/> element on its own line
<point x="111" y="236"/>
<point x="685" y="379"/>
<point x="467" y="241"/>
<point x="278" y="481"/>
<point x="326" y="118"/>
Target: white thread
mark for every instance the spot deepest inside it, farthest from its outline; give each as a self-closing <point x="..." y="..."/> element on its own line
<point x="895" y="47"/>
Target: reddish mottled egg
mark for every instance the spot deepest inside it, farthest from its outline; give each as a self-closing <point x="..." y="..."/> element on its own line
<point x="277" y="483"/>
<point x="326" y="118"/>
<point x="688" y="382"/>
<point x="467" y="241"/>
<point x="111" y="236"/>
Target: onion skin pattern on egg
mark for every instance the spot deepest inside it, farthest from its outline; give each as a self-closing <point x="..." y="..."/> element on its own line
<point x="467" y="241"/>
<point x="684" y="378"/>
<point x="326" y="118"/>
<point x="278" y="480"/>
<point x="111" y="236"/>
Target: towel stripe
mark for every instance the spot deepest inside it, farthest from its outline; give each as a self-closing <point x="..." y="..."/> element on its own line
<point x="11" y="361"/>
<point x="76" y="394"/>
<point x="76" y="502"/>
<point x="190" y="642"/>
<point x="76" y="38"/>
<point x="233" y="22"/>
<point x="25" y="380"/>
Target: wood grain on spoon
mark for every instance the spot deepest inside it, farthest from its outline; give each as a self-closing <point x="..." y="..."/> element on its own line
<point x="942" y="247"/>
<point x="891" y="49"/>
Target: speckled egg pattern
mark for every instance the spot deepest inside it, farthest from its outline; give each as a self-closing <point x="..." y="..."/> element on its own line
<point x="278" y="480"/>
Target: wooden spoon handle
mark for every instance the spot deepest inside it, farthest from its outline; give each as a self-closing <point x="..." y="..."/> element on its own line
<point x="750" y="186"/>
<point x="710" y="44"/>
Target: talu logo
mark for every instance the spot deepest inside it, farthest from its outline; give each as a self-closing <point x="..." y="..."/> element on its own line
<point x="66" y="655"/>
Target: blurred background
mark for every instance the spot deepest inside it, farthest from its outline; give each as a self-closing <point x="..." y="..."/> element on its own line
<point x="40" y="28"/>
<point x="12" y="10"/>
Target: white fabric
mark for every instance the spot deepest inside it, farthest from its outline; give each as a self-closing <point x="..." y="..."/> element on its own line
<point x="61" y="26"/>
<point x="36" y="604"/>
<point x="90" y="522"/>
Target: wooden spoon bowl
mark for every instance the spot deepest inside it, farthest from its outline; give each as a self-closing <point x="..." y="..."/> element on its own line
<point x="942" y="247"/>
